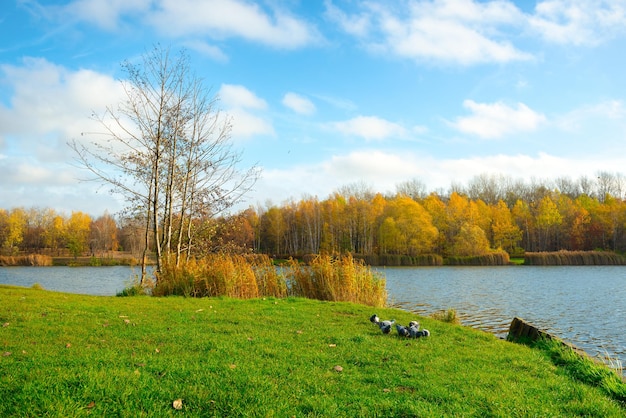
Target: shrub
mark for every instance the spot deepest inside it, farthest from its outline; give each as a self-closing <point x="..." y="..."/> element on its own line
<point x="449" y="316"/>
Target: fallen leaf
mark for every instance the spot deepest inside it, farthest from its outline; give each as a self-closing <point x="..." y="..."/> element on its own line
<point x="386" y="390"/>
<point x="178" y="404"/>
<point x="199" y="310"/>
<point x="68" y="345"/>
<point x="338" y="368"/>
<point x="233" y="366"/>
<point x="6" y="324"/>
<point x="250" y="338"/>
<point x="298" y="332"/>
<point x="123" y="316"/>
<point x="6" y="354"/>
<point x="156" y="350"/>
<point x="332" y="345"/>
<point x="127" y="321"/>
<point x="91" y="405"/>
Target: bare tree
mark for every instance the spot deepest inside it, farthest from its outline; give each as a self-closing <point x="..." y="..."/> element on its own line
<point x="167" y="149"/>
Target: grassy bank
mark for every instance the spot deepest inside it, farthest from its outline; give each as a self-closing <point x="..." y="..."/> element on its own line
<point x="74" y="355"/>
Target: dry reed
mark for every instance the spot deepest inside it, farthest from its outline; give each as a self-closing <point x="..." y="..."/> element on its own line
<point x="26" y="260"/>
<point x="325" y="278"/>
<point x="337" y="279"/>
<point x="574" y="258"/>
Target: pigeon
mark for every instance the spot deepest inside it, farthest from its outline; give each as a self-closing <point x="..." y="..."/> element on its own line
<point x="402" y="331"/>
<point x="414" y="324"/>
<point x="414" y="332"/>
<point x="385" y="326"/>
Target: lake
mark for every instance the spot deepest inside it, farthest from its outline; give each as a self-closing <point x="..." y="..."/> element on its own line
<point x="585" y="305"/>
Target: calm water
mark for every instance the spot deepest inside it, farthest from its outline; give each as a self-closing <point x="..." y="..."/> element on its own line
<point x="585" y="305"/>
<point x="100" y="281"/>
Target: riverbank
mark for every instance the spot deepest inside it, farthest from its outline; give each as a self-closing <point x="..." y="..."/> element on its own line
<point x="74" y="355"/>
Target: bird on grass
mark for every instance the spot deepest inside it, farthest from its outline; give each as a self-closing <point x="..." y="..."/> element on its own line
<point x="402" y="331"/>
<point x="385" y="326"/>
<point x="415" y="332"/>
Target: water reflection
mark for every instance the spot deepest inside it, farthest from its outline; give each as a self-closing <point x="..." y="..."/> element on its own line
<point x="582" y="305"/>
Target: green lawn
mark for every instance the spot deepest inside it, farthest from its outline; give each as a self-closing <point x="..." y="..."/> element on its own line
<point x="71" y="355"/>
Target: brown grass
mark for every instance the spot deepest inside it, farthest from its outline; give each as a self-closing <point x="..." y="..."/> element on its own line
<point x="337" y="279"/>
<point x="497" y="258"/>
<point x="324" y="278"/>
<point x="26" y="260"/>
<point x="574" y="258"/>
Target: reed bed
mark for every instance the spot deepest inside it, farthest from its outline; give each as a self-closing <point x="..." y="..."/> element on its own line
<point x="324" y="278"/>
<point x="26" y="260"/>
<point x="497" y="258"/>
<point x="337" y="279"/>
<point x="393" y="260"/>
<point x="574" y="258"/>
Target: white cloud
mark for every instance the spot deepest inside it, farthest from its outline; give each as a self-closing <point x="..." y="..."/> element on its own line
<point x="371" y="128"/>
<point x="52" y="105"/>
<point x="208" y="50"/>
<point x="241" y="105"/>
<point x="231" y="18"/>
<point x="603" y="113"/>
<point x="579" y="22"/>
<point x="465" y="32"/>
<point x="105" y="14"/>
<point x="384" y="170"/>
<point x="298" y="104"/>
<point x="246" y="124"/>
<point x="357" y="24"/>
<point x="233" y="95"/>
<point x="497" y="119"/>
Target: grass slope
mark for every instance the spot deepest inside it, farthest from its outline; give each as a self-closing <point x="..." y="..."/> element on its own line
<point x="73" y="355"/>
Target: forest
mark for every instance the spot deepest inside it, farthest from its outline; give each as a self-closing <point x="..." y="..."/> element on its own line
<point x="491" y="213"/>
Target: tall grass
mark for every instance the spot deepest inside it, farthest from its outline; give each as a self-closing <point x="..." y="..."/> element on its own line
<point x="393" y="260"/>
<point x="497" y="258"/>
<point x="337" y="279"/>
<point x="324" y="278"/>
<point x="574" y="258"/>
<point x="26" y="260"/>
<point x="219" y="275"/>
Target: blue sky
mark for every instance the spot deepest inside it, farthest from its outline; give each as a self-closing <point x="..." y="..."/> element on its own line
<point x="325" y="94"/>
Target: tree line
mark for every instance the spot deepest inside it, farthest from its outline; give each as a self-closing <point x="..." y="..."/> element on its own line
<point x="490" y="213"/>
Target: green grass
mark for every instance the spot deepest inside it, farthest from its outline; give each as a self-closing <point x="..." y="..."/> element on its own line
<point x="65" y="355"/>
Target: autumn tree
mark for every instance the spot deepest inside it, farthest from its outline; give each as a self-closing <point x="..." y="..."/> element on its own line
<point x="167" y="149"/>
<point x="470" y="241"/>
<point x="548" y="218"/>
<point x="506" y="234"/>
<point x="407" y="228"/>
<point x="77" y="231"/>
<point x="12" y="228"/>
